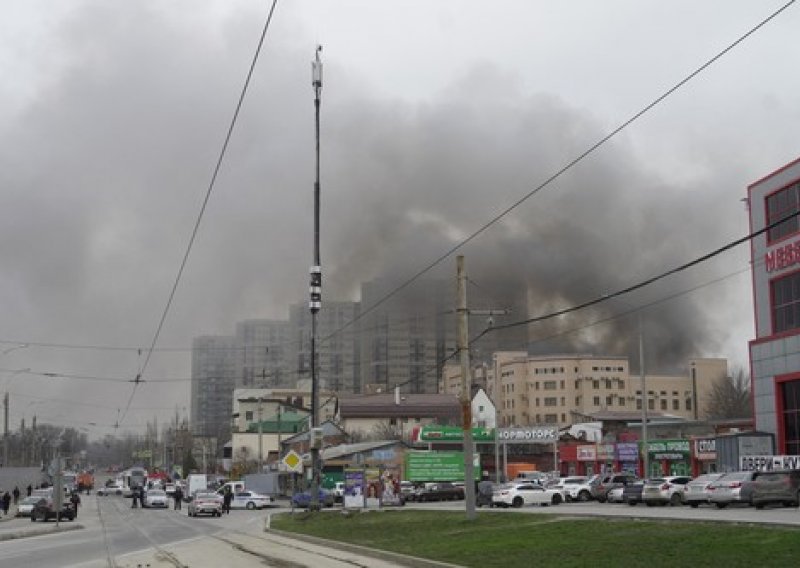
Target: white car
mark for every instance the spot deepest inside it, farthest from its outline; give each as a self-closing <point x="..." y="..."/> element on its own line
<point x="615" y="495"/>
<point x="664" y="490"/>
<point x="525" y="493"/>
<point x="696" y="491"/>
<point x="250" y="500"/>
<point x="155" y="498"/>
<point x="572" y="486"/>
<point x="26" y="505"/>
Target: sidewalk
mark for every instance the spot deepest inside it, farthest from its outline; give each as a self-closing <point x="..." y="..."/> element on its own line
<point x="13" y="527"/>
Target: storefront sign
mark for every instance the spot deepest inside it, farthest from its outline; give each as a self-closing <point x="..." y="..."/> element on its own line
<point x="671" y="450"/>
<point x="454" y="434"/>
<point x="782" y="257"/>
<point x="587" y="453"/>
<point x="605" y="452"/>
<point x="705" y="449"/>
<point x="769" y="463"/>
<point x="528" y="435"/>
<point x="628" y="452"/>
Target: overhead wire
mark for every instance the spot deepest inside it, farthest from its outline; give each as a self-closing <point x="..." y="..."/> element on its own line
<point x="209" y="190"/>
<point x="590" y="150"/>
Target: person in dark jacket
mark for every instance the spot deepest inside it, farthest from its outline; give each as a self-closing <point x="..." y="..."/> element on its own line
<point x="178" y="497"/>
<point x="226" y="500"/>
<point x="75" y="500"/>
<point x="15" y="493"/>
<point x="6" y="502"/>
<point x="30" y="490"/>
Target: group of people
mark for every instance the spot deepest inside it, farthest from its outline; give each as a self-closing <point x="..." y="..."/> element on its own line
<point x="7" y="498"/>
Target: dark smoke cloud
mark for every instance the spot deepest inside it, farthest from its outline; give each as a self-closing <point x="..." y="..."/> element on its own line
<point x="104" y="170"/>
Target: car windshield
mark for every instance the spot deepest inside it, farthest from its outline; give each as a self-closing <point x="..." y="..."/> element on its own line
<point x="738" y="476"/>
<point x="30" y="500"/>
<point x="156" y="493"/>
<point x="204" y="495"/>
<point x="706" y="478"/>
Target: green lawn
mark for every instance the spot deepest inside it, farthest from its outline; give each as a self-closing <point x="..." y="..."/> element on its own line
<point x="512" y="539"/>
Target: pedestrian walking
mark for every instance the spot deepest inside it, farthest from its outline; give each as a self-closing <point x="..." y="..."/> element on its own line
<point x="15" y="493"/>
<point x="6" y="502"/>
<point x="178" y="497"/>
<point x="135" y="496"/>
<point x="227" y="497"/>
<point x="30" y="490"/>
<point x="75" y="500"/>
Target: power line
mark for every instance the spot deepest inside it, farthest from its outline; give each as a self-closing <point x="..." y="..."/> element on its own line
<point x="206" y="199"/>
<point x="566" y="167"/>
<point x="643" y="283"/>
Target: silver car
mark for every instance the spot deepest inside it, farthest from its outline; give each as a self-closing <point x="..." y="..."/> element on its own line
<point x="734" y="487"/>
<point x="696" y="492"/>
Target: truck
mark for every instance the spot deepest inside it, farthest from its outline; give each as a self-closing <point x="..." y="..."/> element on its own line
<point x="264" y="483"/>
<point x="196" y="482"/>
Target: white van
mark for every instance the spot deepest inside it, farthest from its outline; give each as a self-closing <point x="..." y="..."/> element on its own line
<point x="195" y="482"/>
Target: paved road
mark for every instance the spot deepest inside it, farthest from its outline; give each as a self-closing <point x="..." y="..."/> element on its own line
<point x="116" y="536"/>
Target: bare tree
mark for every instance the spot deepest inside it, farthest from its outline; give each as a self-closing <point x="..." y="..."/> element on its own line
<point x="385" y="431"/>
<point x="730" y="397"/>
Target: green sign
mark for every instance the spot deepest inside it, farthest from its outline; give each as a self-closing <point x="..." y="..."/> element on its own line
<point x="669" y="449"/>
<point x="454" y="434"/>
<point x="438" y="466"/>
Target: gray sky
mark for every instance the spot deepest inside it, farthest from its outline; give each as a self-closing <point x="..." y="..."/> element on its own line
<point x="436" y="116"/>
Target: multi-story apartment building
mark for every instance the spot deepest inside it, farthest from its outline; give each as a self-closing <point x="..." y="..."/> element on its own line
<point x="215" y="364"/>
<point x="405" y="339"/>
<point x="263" y="346"/>
<point x="553" y="389"/>
<point x="338" y="353"/>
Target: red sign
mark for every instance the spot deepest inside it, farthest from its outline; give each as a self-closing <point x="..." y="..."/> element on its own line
<point x="783" y="257"/>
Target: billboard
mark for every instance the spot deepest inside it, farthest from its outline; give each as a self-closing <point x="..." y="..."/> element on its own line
<point x="438" y="466"/>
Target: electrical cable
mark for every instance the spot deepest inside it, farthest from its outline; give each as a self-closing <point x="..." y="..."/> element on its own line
<point x="200" y="215"/>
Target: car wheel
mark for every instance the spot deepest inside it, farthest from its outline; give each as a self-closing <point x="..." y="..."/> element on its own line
<point x="557" y="499"/>
<point x="584" y="496"/>
<point x="33" y="518"/>
<point x="759" y="506"/>
<point x="649" y="503"/>
<point x="602" y="499"/>
<point x="721" y="505"/>
<point x="675" y="500"/>
<point x="251" y="505"/>
<point x="631" y="502"/>
<point x="694" y="505"/>
<point x="517" y="502"/>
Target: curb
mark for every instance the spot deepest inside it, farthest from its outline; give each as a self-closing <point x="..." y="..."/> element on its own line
<point x="39" y="531"/>
<point x="396" y="557"/>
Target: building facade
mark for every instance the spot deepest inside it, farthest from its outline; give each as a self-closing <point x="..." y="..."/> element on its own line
<point x="531" y="390"/>
<point x="775" y="260"/>
<point x="215" y="364"/>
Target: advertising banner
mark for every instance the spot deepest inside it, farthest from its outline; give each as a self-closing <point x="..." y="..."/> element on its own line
<point x="605" y="452"/>
<point x="354" y="488"/>
<point x="705" y="449"/>
<point x="372" y="479"/>
<point x="669" y="449"/>
<point x="769" y="463"/>
<point x="587" y="453"/>
<point x="390" y="481"/>
<point x="438" y="466"/>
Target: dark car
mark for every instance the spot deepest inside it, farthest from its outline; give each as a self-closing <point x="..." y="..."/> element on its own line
<point x="444" y="491"/>
<point x="781" y="487"/>
<point x="484" y="494"/>
<point x="632" y="494"/>
<point x="610" y="481"/>
<point x="45" y="509"/>
<point x="302" y="499"/>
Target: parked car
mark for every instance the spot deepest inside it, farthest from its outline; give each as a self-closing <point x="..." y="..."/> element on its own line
<point x="632" y="493"/>
<point x="695" y="493"/>
<point x="734" y="487"/>
<point x="45" y="509"/>
<point x="615" y="495"/>
<point x="443" y="491"/>
<point x="665" y="490"/>
<point x="525" y="493"/>
<point x="26" y="506"/>
<point x="583" y="491"/>
<point x="607" y="482"/>
<point x="205" y="503"/>
<point x="777" y="487"/>
<point x="250" y="500"/>
<point x="155" y="498"/>
<point x="571" y="486"/>
<point x="302" y="499"/>
<point x="406" y="488"/>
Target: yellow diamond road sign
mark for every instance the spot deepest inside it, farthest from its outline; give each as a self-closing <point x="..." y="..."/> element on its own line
<point x="293" y="461"/>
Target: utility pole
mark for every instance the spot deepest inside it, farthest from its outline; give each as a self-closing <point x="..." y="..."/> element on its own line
<point x="5" y="431"/>
<point x="260" y="438"/>
<point x="645" y="455"/>
<point x="315" y="298"/>
<point x="466" y="389"/>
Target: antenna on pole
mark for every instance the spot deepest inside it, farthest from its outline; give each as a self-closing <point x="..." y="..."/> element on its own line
<point x="315" y="300"/>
